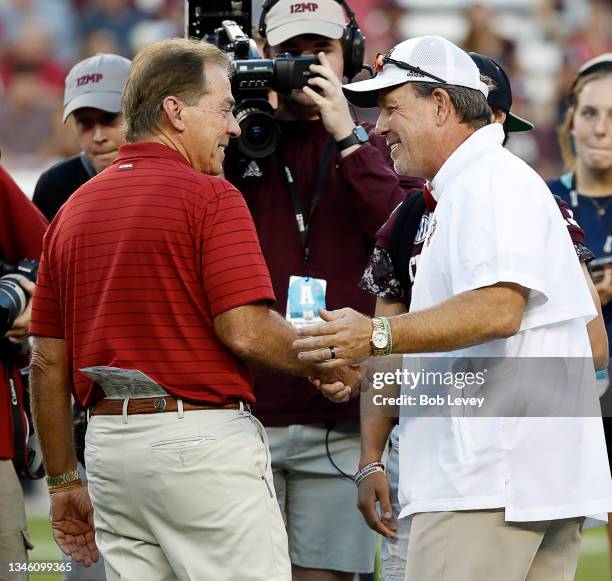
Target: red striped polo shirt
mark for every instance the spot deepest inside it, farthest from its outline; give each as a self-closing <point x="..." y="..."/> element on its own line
<point x="138" y="263"/>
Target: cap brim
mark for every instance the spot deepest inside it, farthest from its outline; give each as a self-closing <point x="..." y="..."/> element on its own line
<point x="515" y="124"/>
<point x="106" y="101"/>
<point x="365" y="93"/>
<point x="280" y="34"/>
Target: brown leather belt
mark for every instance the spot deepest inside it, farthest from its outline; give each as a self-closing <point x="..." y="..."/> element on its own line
<point x="154" y="405"/>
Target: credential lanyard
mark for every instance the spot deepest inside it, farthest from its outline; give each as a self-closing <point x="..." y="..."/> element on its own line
<point x="303" y="222"/>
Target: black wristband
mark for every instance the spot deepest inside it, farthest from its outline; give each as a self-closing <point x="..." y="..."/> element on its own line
<point x="358" y="136"/>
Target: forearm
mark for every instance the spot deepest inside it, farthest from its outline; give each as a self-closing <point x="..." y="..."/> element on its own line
<point x="598" y="337"/>
<point x="375" y="430"/>
<point x="262" y="337"/>
<point x="467" y="319"/>
<point x="51" y="408"/>
<point x="377" y="423"/>
<point x="389" y="308"/>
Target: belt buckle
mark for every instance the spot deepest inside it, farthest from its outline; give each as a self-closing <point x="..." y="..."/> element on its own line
<point x="160" y="404"/>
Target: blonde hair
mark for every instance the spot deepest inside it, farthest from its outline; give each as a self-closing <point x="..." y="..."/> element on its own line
<point x="169" y="67"/>
<point x="566" y="141"/>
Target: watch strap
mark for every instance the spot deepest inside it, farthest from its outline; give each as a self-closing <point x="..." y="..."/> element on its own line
<point x="353" y="139"/>
<point x="387" y="326"/>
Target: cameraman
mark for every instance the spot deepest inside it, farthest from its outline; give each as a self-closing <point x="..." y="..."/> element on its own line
<point x="343" y="176"/>
<point x="21" y="232"/>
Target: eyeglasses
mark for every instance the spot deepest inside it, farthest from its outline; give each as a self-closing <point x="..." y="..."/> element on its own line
<point x="382" y="59"/>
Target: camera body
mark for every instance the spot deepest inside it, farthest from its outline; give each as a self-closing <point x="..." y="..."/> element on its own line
<point x="13" y="298"/>
<point x="223" y="23"/>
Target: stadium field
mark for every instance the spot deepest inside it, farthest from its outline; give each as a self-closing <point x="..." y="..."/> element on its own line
<point x="593" y="564"/>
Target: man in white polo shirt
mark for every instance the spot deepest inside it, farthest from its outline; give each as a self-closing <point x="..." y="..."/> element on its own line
<point x="499" y="498"/>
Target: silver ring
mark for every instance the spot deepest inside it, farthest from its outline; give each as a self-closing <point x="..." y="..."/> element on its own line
<point x="332" y="350"/>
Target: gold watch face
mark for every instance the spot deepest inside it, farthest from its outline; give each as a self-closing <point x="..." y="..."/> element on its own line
<point x="379" y="339"/>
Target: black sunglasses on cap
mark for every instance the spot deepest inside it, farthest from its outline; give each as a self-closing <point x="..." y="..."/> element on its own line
<point x="383" y="58"/>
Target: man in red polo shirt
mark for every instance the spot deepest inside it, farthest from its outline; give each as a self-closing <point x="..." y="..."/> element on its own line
<point x="152" y="294"/>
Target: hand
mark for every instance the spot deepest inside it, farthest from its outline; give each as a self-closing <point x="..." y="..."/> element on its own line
<point x="347" y="331"/>
<point x="372" y="489"/>
<point x="72" y="524"/>
<point x="19" y="330"/>
<point x="329" y="98"/>
<point x="604" y="286"/>
<point x="341" y="388"/>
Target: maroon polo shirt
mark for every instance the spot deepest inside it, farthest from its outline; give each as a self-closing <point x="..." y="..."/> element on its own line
<point x="137" y="264"/>
<point x="22" y="228"/>
<point x="360" y="192"/>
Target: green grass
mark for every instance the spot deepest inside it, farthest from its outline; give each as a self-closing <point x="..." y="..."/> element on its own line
<point x="44" y="546"/>
<point x="593" y="565"/>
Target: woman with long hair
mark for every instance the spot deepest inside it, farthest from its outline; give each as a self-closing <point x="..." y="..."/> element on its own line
<point x="586" y="143"/>
<point x="585" y="137"/>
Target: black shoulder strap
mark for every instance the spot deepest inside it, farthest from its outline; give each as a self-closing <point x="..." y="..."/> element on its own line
<point x="402" y="237"/>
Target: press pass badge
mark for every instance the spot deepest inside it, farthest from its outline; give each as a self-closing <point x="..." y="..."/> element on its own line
<point x="305" y="297"/>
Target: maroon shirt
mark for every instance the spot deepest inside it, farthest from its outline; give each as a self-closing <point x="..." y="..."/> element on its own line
<point x="360" y="192"/>
<point x="22" y="228"/>
<point x="381" y="278"/>
<point x="138" y="263"/>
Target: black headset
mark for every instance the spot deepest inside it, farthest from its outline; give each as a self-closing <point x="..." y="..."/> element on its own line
<point x="353" y="42"/>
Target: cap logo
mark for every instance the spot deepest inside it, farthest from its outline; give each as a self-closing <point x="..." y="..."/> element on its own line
<point x="86" y="79"/>
<point x="414" y="74"/>
<point x="303" y="7"/>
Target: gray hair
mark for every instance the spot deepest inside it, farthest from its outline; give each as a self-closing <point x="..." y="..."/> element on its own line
<point x="470" y="104"/>
<point x="169" y="67"/>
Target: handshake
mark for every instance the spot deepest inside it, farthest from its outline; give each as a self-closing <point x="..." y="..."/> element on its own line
<point x="337" y="347"/>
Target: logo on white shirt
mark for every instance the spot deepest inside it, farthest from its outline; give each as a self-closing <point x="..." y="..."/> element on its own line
<point x="431" y="232"/>
<point x="422" y="231"/>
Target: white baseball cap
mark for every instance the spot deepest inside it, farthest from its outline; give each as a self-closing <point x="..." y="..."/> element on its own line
<point x="289" y="18"/>
<point x="429" y="59"/>
<point x="97" y="82"/>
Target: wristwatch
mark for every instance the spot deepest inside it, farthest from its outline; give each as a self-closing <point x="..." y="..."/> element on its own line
<point x="380" y="340"/>
<point x="358" y="136"/>
<point x="61" y="479"/>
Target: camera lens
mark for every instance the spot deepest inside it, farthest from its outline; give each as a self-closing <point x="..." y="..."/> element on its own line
<point x="13" y="301"/>
<point x="259" y="130"/>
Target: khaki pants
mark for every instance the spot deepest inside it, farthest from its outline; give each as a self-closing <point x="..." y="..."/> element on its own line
<point x="14" y="540"/>
<point x="185" y="496"/>
<point x="481" y="546"/>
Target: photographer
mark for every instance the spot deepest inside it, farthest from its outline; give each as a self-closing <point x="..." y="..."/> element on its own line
<point x="338" y="178"/>
<point x="21" y="232"/>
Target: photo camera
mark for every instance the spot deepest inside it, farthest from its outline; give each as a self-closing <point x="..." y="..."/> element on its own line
<point x="13" y="298"/>
<point x="227" y="24"/>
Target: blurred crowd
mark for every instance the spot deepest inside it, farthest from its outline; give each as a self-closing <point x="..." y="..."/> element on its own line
<point x="540" y="43"/>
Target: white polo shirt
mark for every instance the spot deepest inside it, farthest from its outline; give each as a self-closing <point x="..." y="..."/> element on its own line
<point x="496" y="221"/>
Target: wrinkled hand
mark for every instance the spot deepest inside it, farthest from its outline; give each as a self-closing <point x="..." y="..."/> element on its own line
<point x="372" y="489"/>
<point x="329" y="98"/>
<point x="72" y="524"/>
<point x="346" y="330"/>
<point x="604" y="286"/>
<point x="342" y="385"/>
<point x="19" y="330"/>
